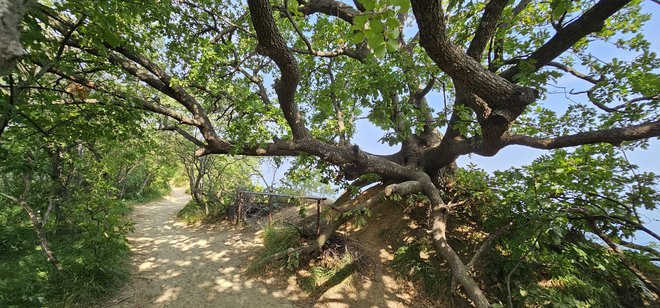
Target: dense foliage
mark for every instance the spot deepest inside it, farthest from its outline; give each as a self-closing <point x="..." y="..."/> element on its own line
<point x="441" y="79"/>
<point x="66" y="188"/>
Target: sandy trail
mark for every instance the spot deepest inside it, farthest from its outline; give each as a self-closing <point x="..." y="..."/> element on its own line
<point x="175" y="265"/>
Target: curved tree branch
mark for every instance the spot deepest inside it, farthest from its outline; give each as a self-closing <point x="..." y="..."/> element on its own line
<point x="463" y="69"/>
<point x="591" y="21"/>
<point x="614" y="136"/>
<point x="329" y="7"/>
<point x="272" y="45"/>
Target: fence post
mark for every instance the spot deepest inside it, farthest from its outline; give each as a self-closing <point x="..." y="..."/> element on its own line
<point x="318" y="217"/>
<point x="270" y="209"/>
<point x="239" y="213"/>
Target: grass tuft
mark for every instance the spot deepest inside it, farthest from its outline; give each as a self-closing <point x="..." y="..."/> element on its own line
<point x="329" y="274"/>
<point x="277" y="238"/>
<point x="191" y="213"/>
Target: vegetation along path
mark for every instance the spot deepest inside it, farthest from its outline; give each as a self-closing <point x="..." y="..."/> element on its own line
<point x="175" y="265"/>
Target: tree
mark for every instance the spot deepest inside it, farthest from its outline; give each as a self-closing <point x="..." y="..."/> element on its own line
<point x="213" y="180"/>
<point x="64" y="176"/>
<point x="328" y="62"/>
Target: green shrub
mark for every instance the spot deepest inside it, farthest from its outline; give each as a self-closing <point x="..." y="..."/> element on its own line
<point x="191" y="213"/>
<point x="92" y="250"/>
<point x="277" y="238"/>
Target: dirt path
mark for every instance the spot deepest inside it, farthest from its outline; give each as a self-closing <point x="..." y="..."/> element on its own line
<point x="175" y="265"/>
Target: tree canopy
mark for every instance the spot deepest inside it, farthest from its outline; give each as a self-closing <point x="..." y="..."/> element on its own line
<point x="292" y="78"/>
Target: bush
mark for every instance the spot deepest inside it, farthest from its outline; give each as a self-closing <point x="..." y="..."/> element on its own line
<point x="91" y="247"/>
<point x="191" y="213"/>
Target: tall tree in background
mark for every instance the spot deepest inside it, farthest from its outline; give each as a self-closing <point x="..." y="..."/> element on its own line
<point x="291" y="78"/>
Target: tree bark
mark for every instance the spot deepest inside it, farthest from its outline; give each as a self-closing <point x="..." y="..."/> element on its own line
<point x="11" y="14"/>
<point x="459" y="271"/>
<point x="146" y="181"/>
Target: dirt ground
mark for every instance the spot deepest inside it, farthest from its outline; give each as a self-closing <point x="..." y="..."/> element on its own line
<point x="175" y="265"/>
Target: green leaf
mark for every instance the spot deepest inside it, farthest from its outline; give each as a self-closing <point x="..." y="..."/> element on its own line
<point x="380" y="51"/>
<point x="358" y="38"/>
<point x="369" y="5"/>
<point x="392" y="45"/>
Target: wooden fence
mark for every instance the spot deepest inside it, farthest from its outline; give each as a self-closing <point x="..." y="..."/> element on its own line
<point x="242" y="195"/>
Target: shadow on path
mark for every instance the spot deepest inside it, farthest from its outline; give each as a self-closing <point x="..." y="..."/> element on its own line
<point x="175" y="265"/>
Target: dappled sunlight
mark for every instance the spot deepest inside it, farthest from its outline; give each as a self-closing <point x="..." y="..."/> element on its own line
<point x="377" y="287"/>
<point x="176" y="265"/>
<point x="169" y="295"/>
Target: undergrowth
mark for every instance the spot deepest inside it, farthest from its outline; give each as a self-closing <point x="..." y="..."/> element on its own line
<point x="94" y="258"/>
<point x="194" y="213"/>
<point x="409" y="264"/>
<point x="191" y="213"/>
<point x="151" y="193"/>
<point x="328" y="274"/>
<point x="336" y="264"/>
<point x="277" y="238"/>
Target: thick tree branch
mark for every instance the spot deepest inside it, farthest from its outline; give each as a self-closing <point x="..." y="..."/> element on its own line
<point x="486" y="29"/>
<point x="146" y="71"/>
<point x="167" y="87"/>
<point x="404" y="188"/>
<point x="459" y="271"/>
<point x="329" y="7"/>
<point x="141" y="103"/>
<point x="591" y="21"/>
<point x="272" y="45"/>
<point x="614" y="136"/>
<point x="463" y="69"/>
